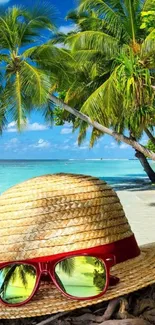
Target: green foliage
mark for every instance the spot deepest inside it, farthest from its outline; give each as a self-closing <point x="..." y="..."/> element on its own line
<point x="150" y="146"/>
<point x="115" y="64"/>
<point x="30" y="71"/>
<point x="67" y="265"/>
<point x="148" y="20"/>
<point x="148" y="5"/>
<point x="99" y="279"/>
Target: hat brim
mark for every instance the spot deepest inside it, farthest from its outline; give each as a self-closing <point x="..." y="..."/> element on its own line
<point x="134" y="274"/>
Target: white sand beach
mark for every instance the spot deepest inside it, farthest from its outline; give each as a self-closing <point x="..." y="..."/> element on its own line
<point x="139" y="206"/>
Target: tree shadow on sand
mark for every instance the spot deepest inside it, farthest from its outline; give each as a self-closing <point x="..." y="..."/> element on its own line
<point x="130" y="182"/>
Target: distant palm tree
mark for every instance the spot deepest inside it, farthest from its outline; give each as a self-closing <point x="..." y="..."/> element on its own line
<point x="13" y="273"/>
<point x="67" y="265"/>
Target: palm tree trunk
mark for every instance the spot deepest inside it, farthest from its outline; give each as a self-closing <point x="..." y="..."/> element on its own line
<point x="147" y="168"/>
<point x="150" y="136"/>
<point x="98" y="126"/>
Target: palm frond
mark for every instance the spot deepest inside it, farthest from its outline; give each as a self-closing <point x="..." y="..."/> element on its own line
<point x="102" y="102"/>
<point x="117" y="6"/>
<point x="39" y="18"/>
<point x="47" y="112"/>
<point x="107" y="12"/>
<point x="67" y="266"/>
<point x="74" y="15"/>
<point x="3" y="119"/>
<point x="83" y="126"/>
<point x="19" y="26"/>
<point x="147" y="50"/>
<point x="149" y="5"/>
<point x="58" y="63"/>
<point x="36" y="84"/>
<point x="94" y="40"/>
<point x="131" y="21"/>
<point x="87" y="21"/>
<point x="88" y="55"/>
<point x="7" y="275"/>
<point x="95" y="135"/>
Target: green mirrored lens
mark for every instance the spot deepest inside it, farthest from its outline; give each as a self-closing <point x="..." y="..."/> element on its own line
<point x="17" y="282"/>
<point x="81" y="276"/>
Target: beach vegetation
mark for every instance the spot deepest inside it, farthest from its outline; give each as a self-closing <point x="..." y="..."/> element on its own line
<point x="30" y="64"/>
<point x="151" y="146"/>
<point x="103" y="74"/>
<point x="114" y="50"/>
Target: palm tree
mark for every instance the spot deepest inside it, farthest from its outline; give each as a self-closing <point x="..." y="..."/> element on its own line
<point x="11" y="275"/>
<point x="24" y="46"/>
<point x="121" y="93"/>
<point x="14" y="273"/>
<point x="31" y="75"/>
<point x="67" y="265"/>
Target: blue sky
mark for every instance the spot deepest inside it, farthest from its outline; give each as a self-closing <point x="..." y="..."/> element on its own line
<point x="38" y="141"/>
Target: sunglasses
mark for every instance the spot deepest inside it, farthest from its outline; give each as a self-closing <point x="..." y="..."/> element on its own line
<point x="81" y="276"/>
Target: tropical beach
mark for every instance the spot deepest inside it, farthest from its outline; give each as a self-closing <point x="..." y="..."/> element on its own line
<point x="139" y="206"/>
<point x="77" y="162"/>
<point x="136" y="193"/>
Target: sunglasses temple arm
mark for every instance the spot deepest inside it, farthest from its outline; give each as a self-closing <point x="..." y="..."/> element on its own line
<point x="113" y="280"/>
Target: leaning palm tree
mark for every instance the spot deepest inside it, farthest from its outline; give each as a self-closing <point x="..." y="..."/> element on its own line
<point x="130" y="51"/>
<point x="120" y="94"/>
<point x="32" y="71"/>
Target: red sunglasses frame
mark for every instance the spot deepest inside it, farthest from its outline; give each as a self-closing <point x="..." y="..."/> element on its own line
<point x="45" y="266"/>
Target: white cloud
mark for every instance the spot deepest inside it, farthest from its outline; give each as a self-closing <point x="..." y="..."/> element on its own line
<point x="41" y="144"/>
<point x="67" y="29"/>
<point x="124" y="146"/>
<point x="66" y="131"/>
<point x="12" y="124"/>
<point x="12" y="127"/>
<point x="36" y="127"/>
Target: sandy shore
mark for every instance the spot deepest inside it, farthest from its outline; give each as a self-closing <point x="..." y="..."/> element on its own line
<point x="139" y="206"/>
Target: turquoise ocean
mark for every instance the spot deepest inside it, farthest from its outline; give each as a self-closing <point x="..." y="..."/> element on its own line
<point x="118" y="173"/>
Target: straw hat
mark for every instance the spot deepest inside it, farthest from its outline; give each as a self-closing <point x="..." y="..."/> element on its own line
<point x="59" y="213"/>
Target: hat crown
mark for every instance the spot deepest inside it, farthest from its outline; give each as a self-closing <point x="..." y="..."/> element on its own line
<point x="59" y="213"/>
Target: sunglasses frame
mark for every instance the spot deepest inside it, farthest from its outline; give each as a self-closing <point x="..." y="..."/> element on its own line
<point x="46" y="266"/>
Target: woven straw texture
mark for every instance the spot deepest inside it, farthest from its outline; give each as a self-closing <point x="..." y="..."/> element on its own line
<point x="58" y="213"/>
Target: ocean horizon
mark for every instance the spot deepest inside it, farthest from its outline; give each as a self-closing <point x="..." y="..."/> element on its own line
<point x="119" y="173"/>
